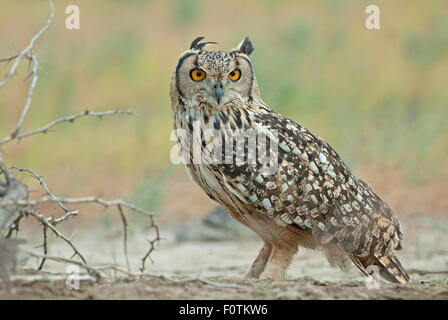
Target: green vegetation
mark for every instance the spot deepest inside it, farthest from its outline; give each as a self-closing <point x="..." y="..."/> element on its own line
<point x="379" y="97"/>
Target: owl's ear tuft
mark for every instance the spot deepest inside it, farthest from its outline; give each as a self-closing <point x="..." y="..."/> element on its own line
<point x="196" y="45"/>
<point x="245" y="46"/>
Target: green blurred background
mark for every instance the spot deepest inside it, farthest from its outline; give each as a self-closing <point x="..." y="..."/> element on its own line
<point x="380" y="98"/>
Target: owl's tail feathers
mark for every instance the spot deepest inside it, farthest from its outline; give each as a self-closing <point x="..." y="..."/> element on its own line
<point x="389" y="266"/>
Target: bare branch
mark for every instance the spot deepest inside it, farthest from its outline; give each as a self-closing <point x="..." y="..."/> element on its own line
<point x="71" y="119"/>
<point x="198" y="278"/>
<point x="97" y="272"/>
<point x="84" y="265"/>
<point x="27" y="54"/>
<point x="11" y="58"/>
<point x="125" y="236"/>
<point x="151" y="243"/>
<point x="28" y="48"/>
<point x="54" y="221"/>
<point x="29" y="278"/>
<point x="15" y="192"/>
<point x="44" y="185"/>
<point x="44" y="231"/>
<point x="99" y="201"/>
<point x="120" y="204"/>
<point x="14" y="195"/>
<point x="15" y="226"/>
<point x="81" y="200"/>
<point x="45" y="222"/>
<point x="29" y="97"/>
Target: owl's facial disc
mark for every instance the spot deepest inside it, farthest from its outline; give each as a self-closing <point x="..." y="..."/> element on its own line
<point x="214" y="77"/>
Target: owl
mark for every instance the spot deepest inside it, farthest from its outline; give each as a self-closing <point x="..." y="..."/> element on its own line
<point x="273" y="175"/>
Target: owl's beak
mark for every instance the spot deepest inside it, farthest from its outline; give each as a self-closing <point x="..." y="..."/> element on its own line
<point x="218" y="91"/>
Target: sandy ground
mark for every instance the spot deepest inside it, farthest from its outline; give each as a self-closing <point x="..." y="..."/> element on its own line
<point x="223" y="264"/>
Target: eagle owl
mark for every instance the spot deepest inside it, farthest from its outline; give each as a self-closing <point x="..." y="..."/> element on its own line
<point x="311" y="199"/>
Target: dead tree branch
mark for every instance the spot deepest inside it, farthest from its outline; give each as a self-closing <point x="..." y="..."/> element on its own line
<point x="83" y="265"/>
<point x="152" y="242"/>
<point x="70" y="119"/>
<point x="39" y="217"/>
<point x="29" y="278"/>
<point x="8" y="258"/>
<point x="125" y="236"/>
<point x="81" y="200"/>
<point x="98" y="273"/>
<point x="197" y="278"/>
<point x="14" y="191"/>
<point x="27" y="53"/>
<point x="44" y="232"/>
<point x="14" y="227"/>
<point x="47" y="190"/>
<point x="14" y="195"/>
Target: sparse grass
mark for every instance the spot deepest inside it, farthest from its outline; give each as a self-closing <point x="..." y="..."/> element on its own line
<point x="436" y="224"/>
<point x="150" y="193"/>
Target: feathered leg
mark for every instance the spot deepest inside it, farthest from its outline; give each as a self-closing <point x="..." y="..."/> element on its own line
<point x="278" y="262"/>
<point x="260" y="262"/>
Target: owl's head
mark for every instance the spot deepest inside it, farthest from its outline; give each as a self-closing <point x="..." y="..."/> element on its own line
<point x="214" y="77"/>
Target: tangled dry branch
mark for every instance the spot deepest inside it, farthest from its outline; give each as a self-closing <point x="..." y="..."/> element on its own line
<point x="14" y="196"/>
<point x="99" y="272"/>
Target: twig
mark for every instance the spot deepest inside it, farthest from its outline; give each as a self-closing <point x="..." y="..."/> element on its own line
<point x="198" y="278"/>
<point x="43" y="184"/>
<point x="86" y="200"/>
<point x="81" y="200"/>
<point x="120" y="204"/>
<point x="44" y="231"/>
<point x="11" y="58"/>
<point x="57" y="121"/>
<point x="15" y="191"/>
<point x="29" y="97"/>
<point x="14" y="227"/>
<point x="48" y="278"/>
<point x="97" y="272"/>
<point x="25" y="53"/>
<point x="14" y="194"/>
<point x="45" y="222"/>
<point x="151" y="243"/>
<point x="54" y="221"/>
<point x="83" y="265"/>
<point x="125" y="237"/>
<point x="30" y="45"/>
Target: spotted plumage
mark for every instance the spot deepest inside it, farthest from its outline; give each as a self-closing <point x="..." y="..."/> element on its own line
<point x="302" y="195"/>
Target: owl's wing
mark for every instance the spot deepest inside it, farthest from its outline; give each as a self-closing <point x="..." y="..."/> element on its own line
<point x="314" y="190"/>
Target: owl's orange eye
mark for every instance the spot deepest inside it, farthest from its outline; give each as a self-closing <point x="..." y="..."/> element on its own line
<point x="197" y="74"/>
<point x="235" y="75"/>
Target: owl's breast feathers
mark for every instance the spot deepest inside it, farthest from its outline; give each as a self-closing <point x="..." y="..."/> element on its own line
<point x="311" y="189"/>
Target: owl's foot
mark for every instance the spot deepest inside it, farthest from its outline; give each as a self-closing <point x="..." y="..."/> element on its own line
<point x="259" y="264"/>
<point x="271" y="274"/>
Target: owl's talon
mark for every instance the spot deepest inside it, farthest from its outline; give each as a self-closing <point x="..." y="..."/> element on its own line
<point x="272" y="276"/>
